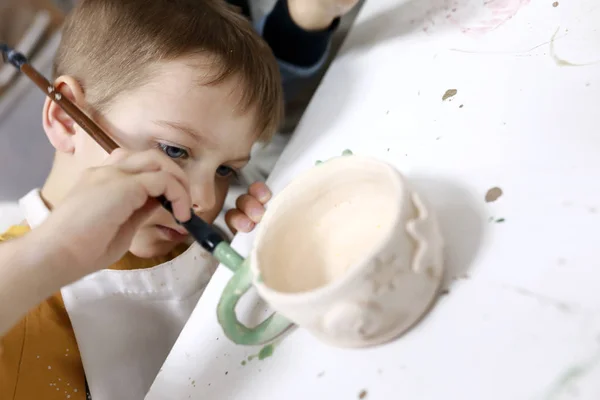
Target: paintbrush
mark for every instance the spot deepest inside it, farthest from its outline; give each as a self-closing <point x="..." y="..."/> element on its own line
<point x="207" y="236"/>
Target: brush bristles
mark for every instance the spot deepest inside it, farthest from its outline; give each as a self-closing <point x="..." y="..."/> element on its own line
<point x="12" y="56"/>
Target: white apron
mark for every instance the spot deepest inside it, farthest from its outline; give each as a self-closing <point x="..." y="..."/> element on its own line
<point x="126" y="322"/>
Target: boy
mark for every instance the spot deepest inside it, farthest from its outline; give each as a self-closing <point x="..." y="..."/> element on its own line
<point x="188" y="87"/>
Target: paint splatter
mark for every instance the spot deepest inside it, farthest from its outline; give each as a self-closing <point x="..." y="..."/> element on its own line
<point x="266" y="352"/>
<point x="496" y="13"/>
<point x="445" y="292"/>
<point x="571" y="376"/>
<point x="461" y="106"/>
<point x="561" y="62"/>
<point x="449" y="94"/>
<point x="321" y="374"/>
<point x="243" y="363"/>
<point x="347" y="152"/>
<point x="555" y="4"/>
<point x="493" y="194"/>
<point x="500" y="220"/>
<point x="362" y="394"/>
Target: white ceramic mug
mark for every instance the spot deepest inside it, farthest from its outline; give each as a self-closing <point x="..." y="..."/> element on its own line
<point x="347" y="251"/>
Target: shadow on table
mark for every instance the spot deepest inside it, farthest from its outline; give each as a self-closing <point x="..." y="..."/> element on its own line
<point x="462" y="221"/>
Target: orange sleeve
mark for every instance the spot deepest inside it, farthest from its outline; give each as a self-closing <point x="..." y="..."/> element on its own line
<point x="40" y="358"/>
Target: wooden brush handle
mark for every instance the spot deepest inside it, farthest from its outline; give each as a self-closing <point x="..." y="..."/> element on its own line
<point x="71" y="109"/>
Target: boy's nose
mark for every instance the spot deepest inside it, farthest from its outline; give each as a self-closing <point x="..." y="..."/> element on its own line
<point x="203" y="196"/>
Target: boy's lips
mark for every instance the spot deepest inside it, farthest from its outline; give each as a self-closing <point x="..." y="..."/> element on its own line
<point x="173" y="234"/>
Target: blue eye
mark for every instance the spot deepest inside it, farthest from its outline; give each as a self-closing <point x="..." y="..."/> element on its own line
<point x="173" y="152"/>
<point x="225" y="171"/>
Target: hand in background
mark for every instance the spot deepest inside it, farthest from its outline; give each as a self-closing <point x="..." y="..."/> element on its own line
<point x="313" y="15"/>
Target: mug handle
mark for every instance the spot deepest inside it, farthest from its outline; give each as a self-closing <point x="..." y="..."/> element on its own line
<point x="238" y="333"/>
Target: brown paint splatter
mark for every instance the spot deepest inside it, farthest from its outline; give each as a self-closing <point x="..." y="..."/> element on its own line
<point x="362" y="394"/>
<point x="555" y="4"/>
<point x="449" y="93"/>
<point x="493" y="194"/>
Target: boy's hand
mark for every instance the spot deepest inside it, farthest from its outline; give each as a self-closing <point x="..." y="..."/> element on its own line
<point x="94" y="226"/>
<point x="249" y="208"/>
<point x="316" y="15"/>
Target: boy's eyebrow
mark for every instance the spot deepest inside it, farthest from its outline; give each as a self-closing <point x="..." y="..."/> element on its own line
<point x="194" y="134"/>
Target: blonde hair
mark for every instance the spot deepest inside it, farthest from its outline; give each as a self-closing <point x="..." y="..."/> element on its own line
<point x="110" y="45"/>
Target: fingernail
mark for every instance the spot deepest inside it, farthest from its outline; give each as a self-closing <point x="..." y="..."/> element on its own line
<point x="264" y="194"/>
<point x="247" y="226"/>
<point x="256" y="214"/>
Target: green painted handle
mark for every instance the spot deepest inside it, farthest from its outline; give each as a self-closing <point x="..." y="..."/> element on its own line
<point x="265" y="332"/>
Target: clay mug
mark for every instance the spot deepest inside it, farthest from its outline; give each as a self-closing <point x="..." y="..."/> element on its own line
<point x="347" y="251"/>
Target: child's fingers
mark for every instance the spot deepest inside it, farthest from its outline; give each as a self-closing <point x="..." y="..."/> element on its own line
<point x="149" y="161"/>
<point x="116" y="156"/>
<point x="238" y="221"/>
<point x="164" y="183"/>
<point x="260" y="191"/>
<point x="250" y="206"/>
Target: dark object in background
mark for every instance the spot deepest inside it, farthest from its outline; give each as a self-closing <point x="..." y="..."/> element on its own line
<point x="243" y="5"/>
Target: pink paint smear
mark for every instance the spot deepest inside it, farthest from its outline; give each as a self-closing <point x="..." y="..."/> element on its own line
<point x="496" y="13"/>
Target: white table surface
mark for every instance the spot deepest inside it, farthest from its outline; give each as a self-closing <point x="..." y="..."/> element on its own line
<point x="522" y="317"/>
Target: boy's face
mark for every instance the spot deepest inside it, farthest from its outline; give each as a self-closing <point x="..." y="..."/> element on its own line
<point x="199" y="126"/>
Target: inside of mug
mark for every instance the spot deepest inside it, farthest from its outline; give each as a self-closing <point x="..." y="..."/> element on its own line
<point x="333" y="219"/>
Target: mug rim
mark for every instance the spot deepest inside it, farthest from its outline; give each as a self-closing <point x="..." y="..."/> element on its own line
<point x="318" y="293"/>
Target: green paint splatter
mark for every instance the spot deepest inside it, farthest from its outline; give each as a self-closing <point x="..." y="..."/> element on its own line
<point x="347" y="152"/>
<point x="266" y="352"/>
<point x="243" y="363"/>
<point x="571" y="376"/>
<point x="500" y="220"/>
<point x="318" y="162"/>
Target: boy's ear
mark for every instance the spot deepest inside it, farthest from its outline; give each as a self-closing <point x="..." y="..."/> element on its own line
<point x="59" y="127"/>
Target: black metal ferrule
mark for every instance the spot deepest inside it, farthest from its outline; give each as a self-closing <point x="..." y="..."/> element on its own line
<point x="12" y="56"/>
<point x="199" y="229"/>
